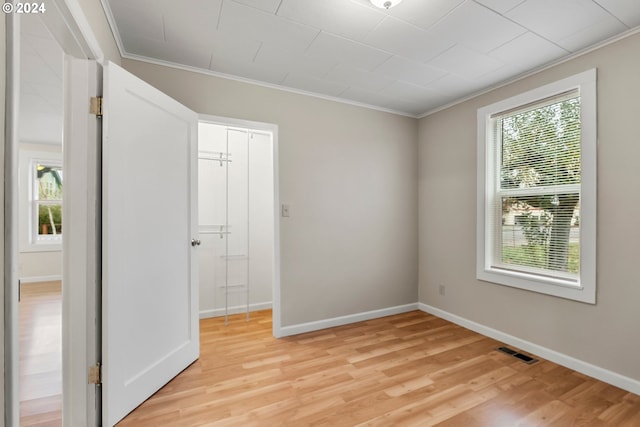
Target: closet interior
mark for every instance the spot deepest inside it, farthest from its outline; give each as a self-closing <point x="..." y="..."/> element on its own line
<point x="236" y="219"/>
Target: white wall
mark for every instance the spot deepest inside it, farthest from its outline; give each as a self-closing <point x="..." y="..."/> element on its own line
<point x="249" y="194"/>
<point x="604" y="334"/>
<point x="350" y="176"/>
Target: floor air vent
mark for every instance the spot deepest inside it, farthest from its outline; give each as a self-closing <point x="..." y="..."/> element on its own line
<point x="526" y="359"/>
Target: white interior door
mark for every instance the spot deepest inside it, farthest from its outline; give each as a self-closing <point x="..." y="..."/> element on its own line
<point x="150" y="302"/>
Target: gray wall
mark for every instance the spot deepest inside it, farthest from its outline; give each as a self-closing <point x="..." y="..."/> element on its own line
<point x="350" y="175"/>
<point x="605" y="334"/>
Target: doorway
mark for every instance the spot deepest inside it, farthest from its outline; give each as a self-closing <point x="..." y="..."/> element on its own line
<point x="74" y="300"/>
<point x="40" y="194"/>
<point x="236" y="217"/>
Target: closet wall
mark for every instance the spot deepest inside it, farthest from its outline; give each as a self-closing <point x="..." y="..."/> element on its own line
<point x="236" y="219"/>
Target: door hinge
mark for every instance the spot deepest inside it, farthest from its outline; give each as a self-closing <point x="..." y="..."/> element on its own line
<point x="95" y="374"/>
<point x="95" y="106"/>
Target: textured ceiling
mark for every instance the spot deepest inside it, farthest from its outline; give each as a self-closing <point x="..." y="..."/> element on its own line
<point x="413" y="58"/>
<point x="41" y="83"/>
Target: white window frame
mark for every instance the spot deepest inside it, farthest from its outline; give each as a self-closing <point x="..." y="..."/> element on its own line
<point x="584" y="288"/>
<point x="29" y="239"/>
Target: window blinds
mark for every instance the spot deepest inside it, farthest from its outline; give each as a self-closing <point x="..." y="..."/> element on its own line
<point x="537" y="203"/>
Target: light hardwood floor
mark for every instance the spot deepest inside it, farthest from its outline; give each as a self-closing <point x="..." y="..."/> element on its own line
<point x="412" y="369"/>
<point x="40" y="377"/>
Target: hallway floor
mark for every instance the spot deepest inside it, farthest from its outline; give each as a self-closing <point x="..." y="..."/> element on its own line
<point x="40" y="377"/>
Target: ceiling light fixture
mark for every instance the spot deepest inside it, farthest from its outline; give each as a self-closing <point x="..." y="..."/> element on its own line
<point x="385" y="4"/>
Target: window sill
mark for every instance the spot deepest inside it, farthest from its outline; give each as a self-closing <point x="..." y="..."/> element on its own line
<point x="568" y="289"/>
<point x="43" y="247"/>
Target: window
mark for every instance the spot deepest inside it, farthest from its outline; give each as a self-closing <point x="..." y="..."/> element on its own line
<point x="47" y="201"/>
<point x="537" y="189"/>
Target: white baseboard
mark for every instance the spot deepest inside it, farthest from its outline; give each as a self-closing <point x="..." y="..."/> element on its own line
<point x="578" y="365"/>
<point x="218" y="312"/>
<point x="37" y="279"/>
<point x="301" y="328"/>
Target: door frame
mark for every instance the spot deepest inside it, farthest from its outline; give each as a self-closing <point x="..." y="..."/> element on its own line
<point x="73" y="32"/>
<point x="273" y="128"/>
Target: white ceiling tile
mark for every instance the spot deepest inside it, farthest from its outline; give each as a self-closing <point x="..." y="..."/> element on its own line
<point x="500" y="6"/>
<point x="197" y="21"/>
<point x="314" y="85"/>
<point x="588" y="36"/>
<point x="196" y="54"/>
<point x="454" y="85"/>
<point x="500" y="76"/>
<point x="424" y="13"/>
<point x="518" y="52"/>
<point x="244" y="21"/>
<point x="249" y="70"/>
<point x="466" y="62"/>
<point x="413" y="57"/>
<point x="224" y="46"/>
<point x="338" y="49"/>
<point x="409" y="71"/>
<point x="270" y="6"/>
<point x="359" y="78"/>
<point x="141" y="18"/>
<point x="627" y="11"/>
<point x="275" y="58"/>
<point x="477" y="27"/>
<point x="403" y="39"/>
<point x="556" y="20"/>
<point x="344" y="18"/>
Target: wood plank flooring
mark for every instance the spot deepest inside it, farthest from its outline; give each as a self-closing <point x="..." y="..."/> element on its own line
<point x="40" y="375"/>
<point x="412" y="369"/>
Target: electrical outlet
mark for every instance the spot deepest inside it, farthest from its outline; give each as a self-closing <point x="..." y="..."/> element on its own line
<point x="441" y="289"/>
<point x="285" y="211"/>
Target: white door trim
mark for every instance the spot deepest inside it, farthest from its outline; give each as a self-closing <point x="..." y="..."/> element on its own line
<point x="80" y="269"/>
<point x="273" y="128"/>
<point x="12" y="92"/>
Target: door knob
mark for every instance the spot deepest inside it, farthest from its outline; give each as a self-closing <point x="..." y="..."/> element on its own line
<point x="195" y="242"/>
